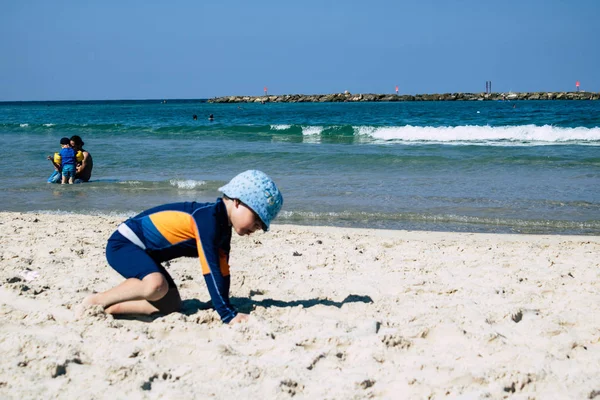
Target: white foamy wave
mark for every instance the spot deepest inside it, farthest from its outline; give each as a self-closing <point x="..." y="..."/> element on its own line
<point x="110" y="214"/>
<point x="280" y="127"/>
<point x="546" y="134"/>
<point x="366" y="130"/>
<point x="187" y="184"/>
<point x="311" y="130"/>
<point x="49" y="125"/>
<point x="311" y="134"/>
<point x="23" y="125"/>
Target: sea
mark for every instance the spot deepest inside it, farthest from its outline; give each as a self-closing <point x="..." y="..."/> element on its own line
<point x="529" y="167"/>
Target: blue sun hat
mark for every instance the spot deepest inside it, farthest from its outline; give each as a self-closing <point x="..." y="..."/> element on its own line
<point x="256" y="190"/>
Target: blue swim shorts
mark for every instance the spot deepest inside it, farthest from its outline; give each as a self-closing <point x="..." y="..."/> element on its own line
<point x="131" y="261"/>
<point x="68" y="170"/>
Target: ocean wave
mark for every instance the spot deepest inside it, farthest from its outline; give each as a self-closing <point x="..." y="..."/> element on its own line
<point x="310" y="130"/>
<point x="509" y="135"/>
<point x="130" y="183"/>
<point x="90" y="128"/>
<point x="280" y="127"/>
<point x="430" y="221"/>
<point x="403" y="221"/>
<point x="122" y="215"/>
<point x="186" y="184"/>
<point x="172" y="183"/>
<point x="500" y="135"/>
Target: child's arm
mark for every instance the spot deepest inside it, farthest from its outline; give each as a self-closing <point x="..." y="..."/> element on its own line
<point x="215" y="270"/>
<point x="218" y="282"/>
<point x="56" y="166"/>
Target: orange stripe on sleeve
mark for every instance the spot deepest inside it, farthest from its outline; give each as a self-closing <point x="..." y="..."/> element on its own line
<point x="223" y="264"/>
<point x="175" y="226"/>
<point x="201" y="255"/>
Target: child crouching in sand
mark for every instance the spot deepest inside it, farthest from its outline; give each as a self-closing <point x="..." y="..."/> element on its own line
<point x="250" y="202"/>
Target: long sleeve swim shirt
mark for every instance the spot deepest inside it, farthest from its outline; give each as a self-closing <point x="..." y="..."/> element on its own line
<point x="191" y="230"/>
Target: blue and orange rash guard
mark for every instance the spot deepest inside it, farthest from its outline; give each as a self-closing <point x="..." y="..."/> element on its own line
<point x="191" y="230"/>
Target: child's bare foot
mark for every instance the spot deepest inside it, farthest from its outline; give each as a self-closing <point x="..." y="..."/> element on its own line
<point x="89" y="302"/>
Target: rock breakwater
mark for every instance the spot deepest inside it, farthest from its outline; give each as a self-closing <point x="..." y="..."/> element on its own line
<point x="350" y="97"/>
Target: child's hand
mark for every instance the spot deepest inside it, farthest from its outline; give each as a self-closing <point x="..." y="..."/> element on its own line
<point x="49" y="158"/>
<point x="239" y="319"/>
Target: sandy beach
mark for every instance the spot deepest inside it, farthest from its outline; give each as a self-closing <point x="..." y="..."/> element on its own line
<point x="335" y="313"/>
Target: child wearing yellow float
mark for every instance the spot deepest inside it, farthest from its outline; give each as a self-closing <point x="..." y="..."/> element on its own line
<point x="65" y="168"/>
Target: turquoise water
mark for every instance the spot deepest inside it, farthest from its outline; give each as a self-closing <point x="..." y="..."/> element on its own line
<point x="531" y="167"/>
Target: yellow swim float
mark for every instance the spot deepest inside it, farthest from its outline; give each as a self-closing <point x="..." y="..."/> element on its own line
<point x="78" y="157"/>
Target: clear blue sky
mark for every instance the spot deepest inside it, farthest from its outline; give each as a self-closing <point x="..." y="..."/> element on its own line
<point x="83" y="50"/>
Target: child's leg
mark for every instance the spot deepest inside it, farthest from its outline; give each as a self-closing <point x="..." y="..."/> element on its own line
<point x="132" y="307"/>
<point x="71" y="180"/>
<point x="171" y="302"/>
<point x="63" y="180"/>
<point x="155" y="291"/>
<point x="130" y="297"/>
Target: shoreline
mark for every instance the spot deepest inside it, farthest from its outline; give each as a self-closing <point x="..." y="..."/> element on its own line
<point x="370" y="97"/>
<point x="472" y="228"/>
<point x="336" y="313"/>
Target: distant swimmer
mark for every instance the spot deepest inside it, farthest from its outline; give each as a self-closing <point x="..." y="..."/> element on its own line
<point x="211" y="118"/>
<point x="194" y="117"/>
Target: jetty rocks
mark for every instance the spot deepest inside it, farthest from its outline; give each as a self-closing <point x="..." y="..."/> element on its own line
<point x="349" y="97"/>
